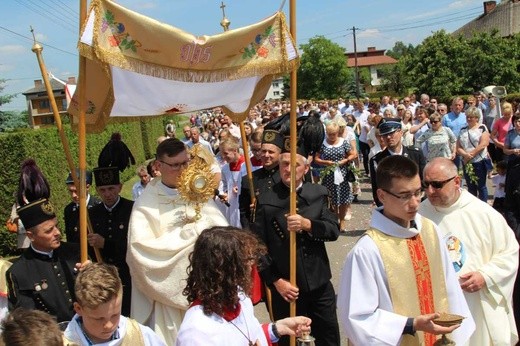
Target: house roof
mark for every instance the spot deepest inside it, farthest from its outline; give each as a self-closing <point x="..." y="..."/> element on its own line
<point x="56" y="86"/>
<point x="371" y="60"/>
<point x="505" y="18"/>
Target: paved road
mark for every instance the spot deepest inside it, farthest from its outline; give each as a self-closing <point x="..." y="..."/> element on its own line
<point x="339" y="249"/>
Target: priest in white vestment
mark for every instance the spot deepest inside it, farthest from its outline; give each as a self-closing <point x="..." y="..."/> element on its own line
<point x="160" y="241"/>
<point x="398" y="276"/>
<point x="483" y="250"/>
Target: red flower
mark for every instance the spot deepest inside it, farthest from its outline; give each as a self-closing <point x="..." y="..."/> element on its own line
<point x="263" y="52"/>
<point x="114" y="42"/>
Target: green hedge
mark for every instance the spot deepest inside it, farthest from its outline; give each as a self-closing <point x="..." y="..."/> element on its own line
<point x="44" y="145"/>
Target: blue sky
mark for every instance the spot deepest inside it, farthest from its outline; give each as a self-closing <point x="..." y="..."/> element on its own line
<point x="381" y="23"/>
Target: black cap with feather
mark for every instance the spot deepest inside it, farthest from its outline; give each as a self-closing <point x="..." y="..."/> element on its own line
<point x="311" y="132"/>
<point x="114" y="158"/>
<point x="32" y="185"/>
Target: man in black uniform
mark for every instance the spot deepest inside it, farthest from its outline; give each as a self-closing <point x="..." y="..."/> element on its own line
<point x="391" y="133"/>
<point x="110" y="225"/>
<point x="263" y="178"/>
<point x="43" y="277"/>
<point x="315" y="223"/>
<point x="71" y="212"/>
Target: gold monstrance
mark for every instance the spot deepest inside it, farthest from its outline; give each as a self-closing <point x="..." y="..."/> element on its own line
<point x="196" y="184"/>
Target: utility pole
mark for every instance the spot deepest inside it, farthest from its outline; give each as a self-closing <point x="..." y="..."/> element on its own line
<point x="356" y="62"/>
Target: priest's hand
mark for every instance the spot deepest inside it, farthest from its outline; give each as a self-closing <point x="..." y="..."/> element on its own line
<point x="472" y="282"/>
<point x="286" y="290"/>
<point x="425" y="323"/>
<point x="293" y="325"/>
<point x="95" y="240"/>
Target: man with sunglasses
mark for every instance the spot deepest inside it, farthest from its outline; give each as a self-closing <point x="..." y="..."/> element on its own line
<point x="160" y="240"/>
<point x="482" y="248"/>
<point x="391" y="134"/>
<point x="398" y="277"/>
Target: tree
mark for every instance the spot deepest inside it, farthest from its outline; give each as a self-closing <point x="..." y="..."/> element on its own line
<point x="4" y="99"/>
<point x="400" y="50"/>
<point x="12" y="120"/>
<point x="444" y="65"/>
<point x="5" y="117"/>
<point x="323" y="72"/>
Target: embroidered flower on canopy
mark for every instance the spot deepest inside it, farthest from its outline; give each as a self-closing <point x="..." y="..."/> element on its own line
<point x="257" y="47"/>
<point x="119" y="38"/>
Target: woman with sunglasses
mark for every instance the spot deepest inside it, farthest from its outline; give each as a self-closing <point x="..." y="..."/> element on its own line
<point x="472" y="147"/>
<point x="439" y="140"/>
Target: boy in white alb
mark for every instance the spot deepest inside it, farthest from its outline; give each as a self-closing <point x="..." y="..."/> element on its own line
<point x="98" y="319"/>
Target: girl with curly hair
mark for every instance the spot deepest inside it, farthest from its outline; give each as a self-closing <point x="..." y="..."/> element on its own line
<point x="218" y="285"/>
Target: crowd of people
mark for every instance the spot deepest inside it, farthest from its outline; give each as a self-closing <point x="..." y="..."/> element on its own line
<point x="168" y="278"/>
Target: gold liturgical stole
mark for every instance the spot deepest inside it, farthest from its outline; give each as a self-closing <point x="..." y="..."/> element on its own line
<point x="133" y="335"/>
<point x="415" y="275"/>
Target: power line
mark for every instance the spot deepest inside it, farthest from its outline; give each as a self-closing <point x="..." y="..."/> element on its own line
<point x="66" y="7"/>
<point x="444" y="16"/>
<point x="43" y="44"/>
<point x="44" y="14"/>
<point x="429" y="22"/>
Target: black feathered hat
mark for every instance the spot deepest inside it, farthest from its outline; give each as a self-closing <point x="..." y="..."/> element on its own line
<point x="300" y="150"/>
<point x="32" y="185"/>
<point x="114" y="158"/>
<point x="36" y="212"/>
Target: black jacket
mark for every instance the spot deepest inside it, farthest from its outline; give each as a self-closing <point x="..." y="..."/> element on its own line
<point x="113" y="226"/>
<point x="71" y="217"/>
<point x="410" y="152"/>
<point x="263" y="179"/>
<point x="269" y="222"/>
<point x="36" y="281"/>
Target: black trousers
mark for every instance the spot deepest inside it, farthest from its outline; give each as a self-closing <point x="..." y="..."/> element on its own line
<point x="320" y="306"/>
<point x="365" y="150"/>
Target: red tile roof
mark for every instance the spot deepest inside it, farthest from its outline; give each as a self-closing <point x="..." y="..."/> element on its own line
<point x="371" y="61"/>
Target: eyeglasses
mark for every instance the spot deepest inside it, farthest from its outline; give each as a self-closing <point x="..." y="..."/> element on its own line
<point x="437" y="184"/>
<point x="419" y="194"/>
<point x="176" y="166"/>
<point x="435" y="121"/>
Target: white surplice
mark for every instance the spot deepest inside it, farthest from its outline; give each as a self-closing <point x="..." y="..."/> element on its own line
<point x="159" y="243"/>
<point x="479" y="239"/>
<point x="364" y="303"/>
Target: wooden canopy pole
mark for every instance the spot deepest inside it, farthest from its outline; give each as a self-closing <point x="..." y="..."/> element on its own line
<point x="292" y="208"/>
<point x="82" y="142"/>
<point x="37" y="49"/>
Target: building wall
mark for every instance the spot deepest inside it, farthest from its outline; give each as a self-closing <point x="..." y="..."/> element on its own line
<point x="40" y="108"/>
<point x="276" y="90"/>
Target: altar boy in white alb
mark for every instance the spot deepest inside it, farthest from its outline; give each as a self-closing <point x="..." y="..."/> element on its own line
<point x="398" y="277"/>
<point x="483" y="250"/>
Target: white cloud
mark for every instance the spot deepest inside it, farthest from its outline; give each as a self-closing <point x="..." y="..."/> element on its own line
<point x="12" y="49"/>
<point x="462" y="3"/>
<point x="369" y="33"/>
